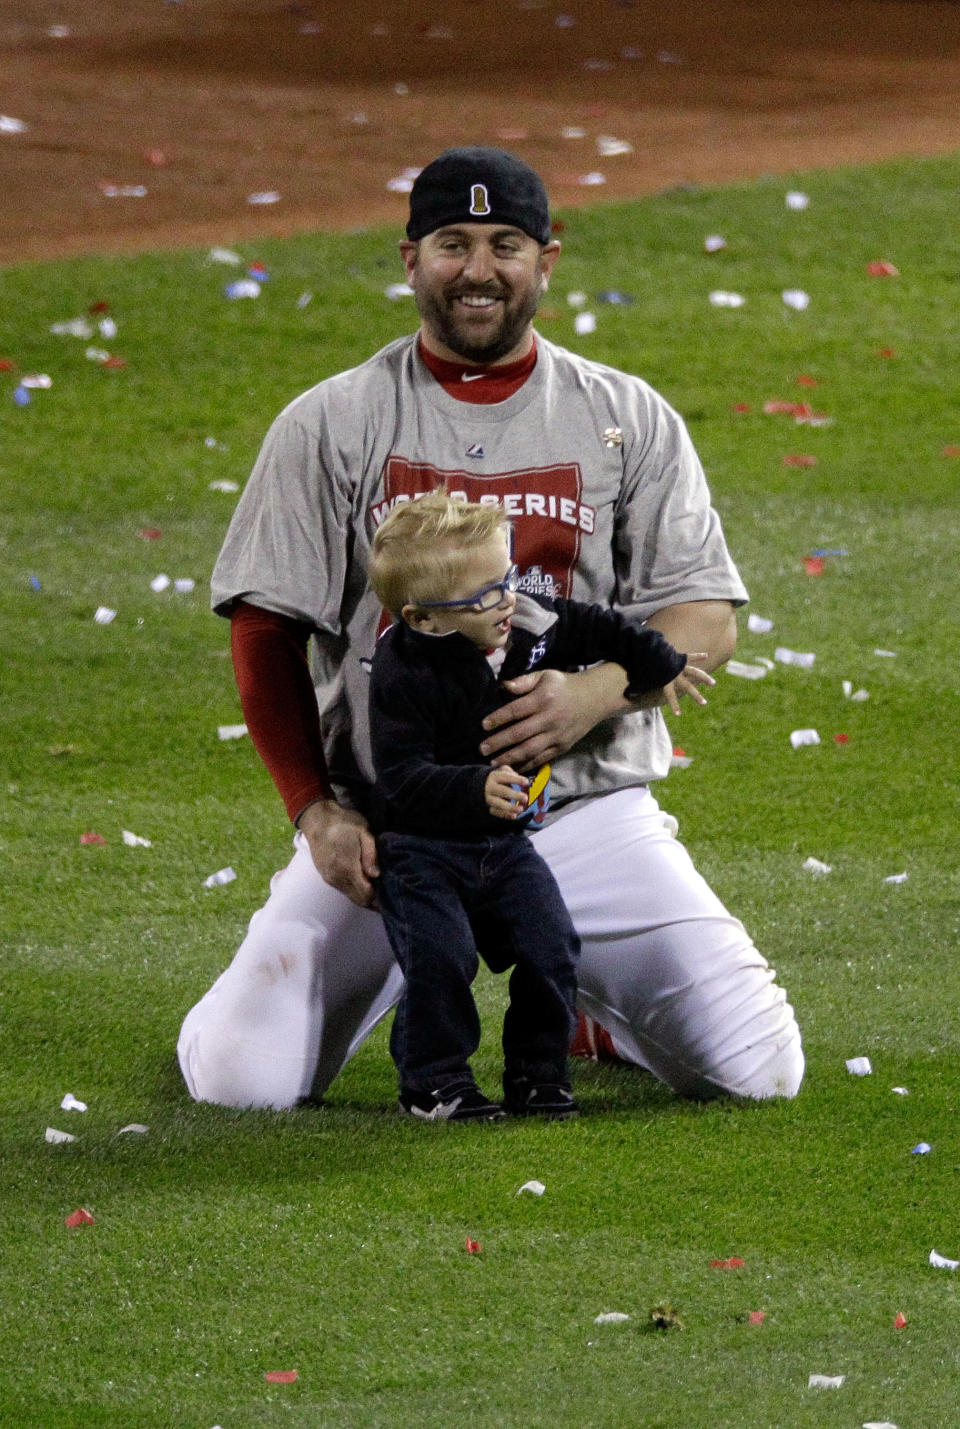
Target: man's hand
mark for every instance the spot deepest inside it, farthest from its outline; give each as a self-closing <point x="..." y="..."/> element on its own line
<point x="686" y="683"/>
<point x="506" y="792"/>
<point x="552" y="712"/>
<point x="343" y="849"/>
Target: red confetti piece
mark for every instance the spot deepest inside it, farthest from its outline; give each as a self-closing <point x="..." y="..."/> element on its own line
<point x="472" y="1247"/>
<point x="679" y="753"/>
<point x="92" y="838"/>
<point x="150" y="533"/>
<point x="799" y="460"/>
<point x="900" y="1323"/>
<point x="775" y="408"/>
<point x="841" y="739"/>
<point x="155" y="156"/>
<point x="734" y="1263"/>
<point x="806" y="381"/>
<point x="951" y="451"/>
<point x="741" y="406"/>
<point x="79" y="1217"/>
<point x="880" y="268"/>
<point x="101" y="307"/>
<point x="813" y="565"/>
<point x="558" y="226"/>
<point x="886" y="352"/>
<point x="512" y="135"/>
<point x="6" y="365"/>
<point x="757" y="1317"/>
<point x="281" y="1376"/>
<point x="114" y="362"/>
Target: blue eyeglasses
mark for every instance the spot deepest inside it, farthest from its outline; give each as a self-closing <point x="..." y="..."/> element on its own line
<point x="488" y="597"/>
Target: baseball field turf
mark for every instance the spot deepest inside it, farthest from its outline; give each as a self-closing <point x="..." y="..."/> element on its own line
<point x="226" y="1246"/>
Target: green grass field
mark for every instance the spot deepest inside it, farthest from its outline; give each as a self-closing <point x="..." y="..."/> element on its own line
<point x="225" y="1244"/>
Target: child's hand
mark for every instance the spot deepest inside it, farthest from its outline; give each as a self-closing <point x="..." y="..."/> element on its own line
<point x="504" y="799"/>
<point x="686" y="683"/>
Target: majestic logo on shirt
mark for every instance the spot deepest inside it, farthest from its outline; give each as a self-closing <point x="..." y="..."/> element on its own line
<point x="475" y="449"/>
<point x="479" y="201"/>
<point x="545" y="506"/>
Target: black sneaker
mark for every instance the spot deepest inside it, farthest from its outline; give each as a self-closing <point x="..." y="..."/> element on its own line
<point x="552" y="1100"/>
<point x="459" y="1101"/>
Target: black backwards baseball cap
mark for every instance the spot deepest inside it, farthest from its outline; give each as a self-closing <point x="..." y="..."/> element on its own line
<point x="477" y="185"/>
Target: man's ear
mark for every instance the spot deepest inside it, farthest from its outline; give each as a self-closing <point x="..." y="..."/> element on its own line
<point x="418" y="618"/>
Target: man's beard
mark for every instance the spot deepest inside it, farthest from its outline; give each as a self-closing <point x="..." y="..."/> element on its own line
<point x="438" y="316"/>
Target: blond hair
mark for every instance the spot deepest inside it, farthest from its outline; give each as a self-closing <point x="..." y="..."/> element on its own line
<point x="419" y="548"/>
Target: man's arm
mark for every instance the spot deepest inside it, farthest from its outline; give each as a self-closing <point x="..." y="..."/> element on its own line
<point x="280" y="708"/>
<point x="554" y="710"/>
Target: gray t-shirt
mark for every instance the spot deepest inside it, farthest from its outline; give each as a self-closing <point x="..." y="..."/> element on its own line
<point x="605" y="492"/>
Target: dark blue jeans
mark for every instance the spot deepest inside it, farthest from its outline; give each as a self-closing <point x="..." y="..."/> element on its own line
<point x="444" y="903"/>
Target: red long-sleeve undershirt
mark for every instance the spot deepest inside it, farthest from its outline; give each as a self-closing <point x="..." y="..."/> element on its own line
<point x="279" y="702"/>
<point x="270" y="651"/>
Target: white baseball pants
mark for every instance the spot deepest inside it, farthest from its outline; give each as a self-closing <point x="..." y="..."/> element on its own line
<point x="664" y="967"/>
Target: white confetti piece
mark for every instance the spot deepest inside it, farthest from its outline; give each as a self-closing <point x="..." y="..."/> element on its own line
<point x="573" y="131"/>
<point x="825" y="1381"/>
<point x="70" y="1103"/>
<point x="796" y="200"/>
<point x="57" y="1138"/>
<point x="759" y="624"/>
<point x="610" y="1317"/>
<point x="134" y="840"/>
<point x="814" y="865"/>
<point x="73" y="327"/>
<point x="805" y="659"/>
<point x="304" y="300"/>
<point x="609" y="148"/>
<point x="123" y="190"/>
<point x="227" y="486"/>
<point x="231" y="731"/>
<point x="160" y="583"/>
<point x="535" y="1188"/>
<point x="585" y="323"/>
<point x="103" y="615"/>
<point x="223" y="875"/>
<point x="134" y="1126"/>
<point x="859" y="697"/>
<point x="267" y="196"/>
<point x="591" y="180"/>
<point x="97" y="354"/>
<point x="183" y="585"/>
<point x="107" y="328"/>
<point x="745" y="671"/>
<point x="576" y="299"/>
<point x="800" y="738"/>
<point x="721" y="299"/>
<point x="223" y="255"/>
<point x="878" y="1424"/>
<point x="796" y="298"/>
<point x="940" y="1262"/>
<point x="887" y="654"/>
<point x="9" y="125"/>
<point x="859" y="1066"/>
<point x="714" y="242"/>
<point x="900" y="1091"/>
<point x="396" y="291"/>
<point x="897" y="878"/>
<point x="42" y="380"/>
<point x="680" y="761"/>
<point x="243" y="288"/>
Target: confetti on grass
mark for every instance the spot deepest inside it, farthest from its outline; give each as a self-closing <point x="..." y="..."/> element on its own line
<point x="79" y="1217"/>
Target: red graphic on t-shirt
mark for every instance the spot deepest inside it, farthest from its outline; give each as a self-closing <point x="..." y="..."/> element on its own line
<point x="544" y="504"/>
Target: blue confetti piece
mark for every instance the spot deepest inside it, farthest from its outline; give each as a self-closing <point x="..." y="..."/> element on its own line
<point x="829" y="551"/>
<point x="922" y="1148"/>
<point x="34" y="583"/>
<point x="614" y="296"/>
<point x="21" y="396"/>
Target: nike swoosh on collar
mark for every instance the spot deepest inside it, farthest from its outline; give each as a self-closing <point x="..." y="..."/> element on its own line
<point x="471" y="376"/>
